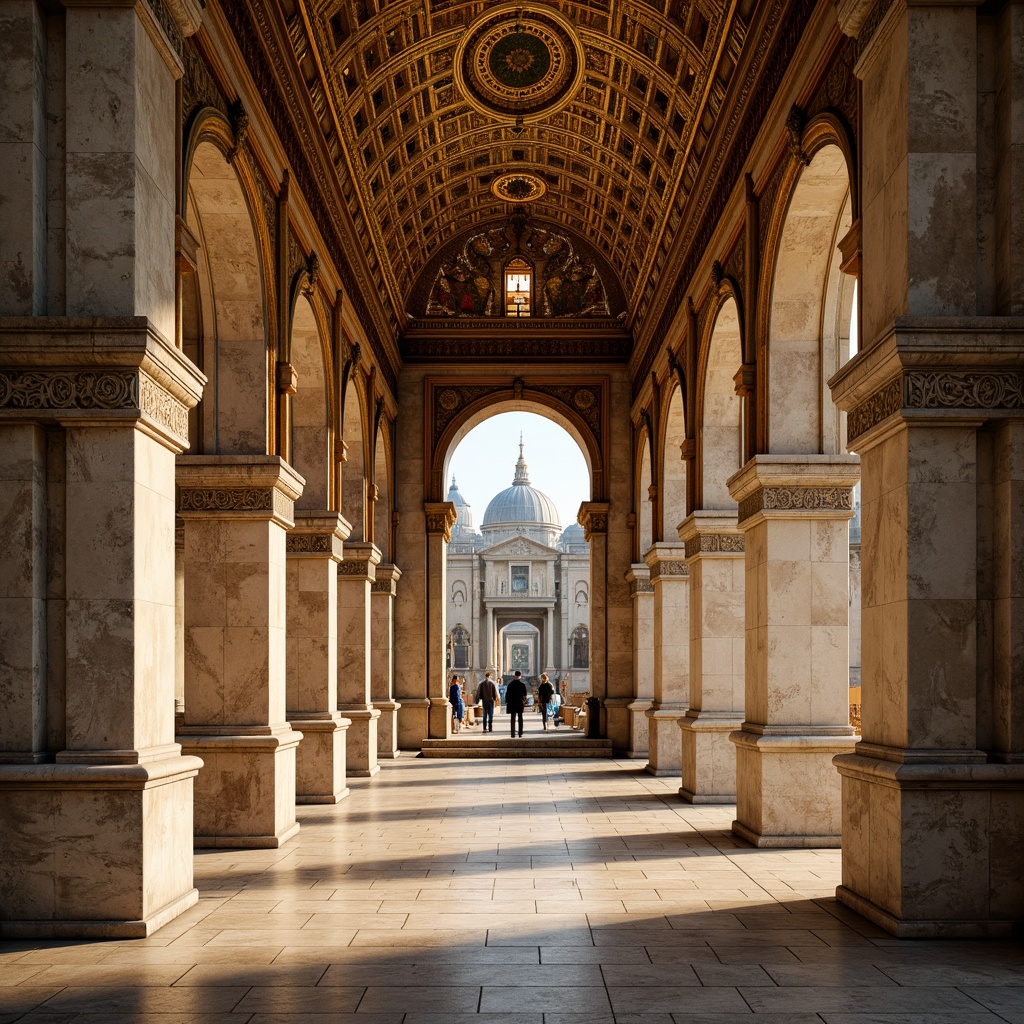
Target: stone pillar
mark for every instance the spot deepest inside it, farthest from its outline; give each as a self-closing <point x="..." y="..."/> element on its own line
<point x="670" y="580"/>
<point x="314" y="549"/>
<point x="382" y="657"/>
<point x="237" y="510"/>
<point x="440" y="518"/>
<point x="593" y="517"/>
<point x="489" y="661"/>
<point x="549" y="643"/>
<point x="356" y="575"/>
<point x="714" y="555"/>
<point x="642" y="594"/>
<point x="794" y="511"/>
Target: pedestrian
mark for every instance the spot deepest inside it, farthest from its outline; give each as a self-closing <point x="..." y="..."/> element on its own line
<point x="544" y="694"/>
<point x="515" y="700"/>
<point x="487" y="694"/>
<point x="458" y="707"/>
<point x="556" y="707"/>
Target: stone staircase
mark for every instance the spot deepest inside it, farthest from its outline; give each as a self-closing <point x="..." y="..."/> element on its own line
<point x="553" y="744"/>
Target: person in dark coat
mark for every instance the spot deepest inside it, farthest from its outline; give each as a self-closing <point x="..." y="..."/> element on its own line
<point x="544" y="694"/>
<point x="515" y="701"/>
<point x="487" y="694"/>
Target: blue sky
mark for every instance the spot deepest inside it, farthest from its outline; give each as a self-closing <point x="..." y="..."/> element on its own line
<point x="485" y="461"/>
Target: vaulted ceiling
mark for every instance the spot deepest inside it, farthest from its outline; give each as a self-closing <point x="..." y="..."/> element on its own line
<point x="422" y="110"/>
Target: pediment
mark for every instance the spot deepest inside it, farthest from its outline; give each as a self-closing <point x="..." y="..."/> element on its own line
<point x="518" y="547"/>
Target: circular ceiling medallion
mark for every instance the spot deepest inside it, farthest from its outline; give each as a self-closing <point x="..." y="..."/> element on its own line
<point x="519" y="63"/>
<point x="518" y="187"/>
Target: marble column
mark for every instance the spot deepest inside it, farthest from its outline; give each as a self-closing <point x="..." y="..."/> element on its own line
<point x="593" y="517"/>
<point x="440" y="518"/>
<point x="794" y="511"/>
<point x="670" y="580"/>
<point x="549" y="642"/>
<point x="489" y="641"/>
<point x="237" y="510"/>
<point x="714" y="555"/>
<point x="642" y="594"/>
<point x="382" y="657"/>
<point x="314" y="549"/>
<point x="356" y="575"/>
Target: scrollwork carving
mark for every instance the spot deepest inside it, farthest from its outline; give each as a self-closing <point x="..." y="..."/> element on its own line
<point x="310" y="543"/>
<point x="672" y="568"/>
<point x="796" y="498"/>
<point x="226" y="499"/>
<point x="715" y="543"/>
<point x="69" y="389"/>
<point x="641" y="587"/>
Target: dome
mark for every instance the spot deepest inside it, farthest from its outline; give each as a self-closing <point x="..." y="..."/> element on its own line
<point x="573" y="534"/>
<point x="462" y="507"/>
<point x="522" y="503"/>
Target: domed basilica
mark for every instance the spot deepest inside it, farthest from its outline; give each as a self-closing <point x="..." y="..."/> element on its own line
<point x="518" y="589"/>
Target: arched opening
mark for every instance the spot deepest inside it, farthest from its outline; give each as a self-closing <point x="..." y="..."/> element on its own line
<point x="673" y="471"/>
<point x="225" y="318"/>
<point x="811" y="305"/>
<point x="517" y="566"/>
<point x="353" y="471"/>
<point x="644" y="506"/>
<point x="382" y="506"/>
<point x="310" y="418"/>
<point x="721" y="428"/>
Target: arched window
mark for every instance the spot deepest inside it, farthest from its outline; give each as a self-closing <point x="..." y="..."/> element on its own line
<point x="460" y="647"/>
<point x="579" y="647"/>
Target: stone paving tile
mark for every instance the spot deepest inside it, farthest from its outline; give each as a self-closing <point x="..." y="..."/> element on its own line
<point x="511" y="893"/>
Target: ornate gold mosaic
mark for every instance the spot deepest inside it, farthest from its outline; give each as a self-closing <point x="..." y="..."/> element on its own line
<point x="517" y="187"/>
<point x="519" y="64"/>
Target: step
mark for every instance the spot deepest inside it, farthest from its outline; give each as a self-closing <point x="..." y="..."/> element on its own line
<point x="491" y="747"/>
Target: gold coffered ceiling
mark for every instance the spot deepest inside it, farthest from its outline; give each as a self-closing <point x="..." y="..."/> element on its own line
<point x="418" y="155"/>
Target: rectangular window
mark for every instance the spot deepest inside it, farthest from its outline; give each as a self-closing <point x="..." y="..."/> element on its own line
<point x="520" y="579"/>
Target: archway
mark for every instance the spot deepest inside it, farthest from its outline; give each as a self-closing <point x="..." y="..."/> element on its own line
<point x="644" y="505"/>
<point x="310" y="408"/>
<point x="721" y="409"/>
<point x="353" y="471"/>
<point x="673" y="468"/>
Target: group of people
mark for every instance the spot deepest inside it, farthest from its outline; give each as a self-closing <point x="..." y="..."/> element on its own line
<point x="516" y="696"/>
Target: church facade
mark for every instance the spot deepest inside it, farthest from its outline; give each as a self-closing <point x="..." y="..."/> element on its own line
<point x="264" y="264"/>
<point x="518" y="590"/>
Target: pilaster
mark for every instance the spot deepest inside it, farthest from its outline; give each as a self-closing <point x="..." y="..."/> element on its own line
<point x="382" y="657"/>
<point x="356" y="574"/>
<point x="440" y="518"/>
<point x="314" y="548"/>
<point x="641" y="594"/>
<point x="593" y="517"/>
<point x="670" y="580"/>
<point x="237" y="510"/>
<point x="714" y="555"/>
<point x="933" y="786"/>
<point x="794" y="511"/>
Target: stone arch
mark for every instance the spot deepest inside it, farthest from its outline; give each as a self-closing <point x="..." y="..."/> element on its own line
<point x="809" y="308"/>
<point x="311" y="407"/>
<point x="720" y="409"/>
<point x="382" y="481"/>
<point x="230" y="303"/>
<point x="353" y="470"/>
<point x="673" y="471"/>
<point x="643" y="505"/>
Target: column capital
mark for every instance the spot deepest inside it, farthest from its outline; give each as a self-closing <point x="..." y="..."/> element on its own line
<point x="711" y="532"/>
<point x="638" y="576"/>
<point x="360" y="561"/>
<point x="665" y="560"/>
<point x="795" y="486"/>
<point x="933" y="370"/>
<point x="318" y="535"/>
<point x="386" y="579"/>
<point x="237" y="487"/>
<point x="97" y="371"/>
<point x="593" y="517"/>
<point x="441" y="517"/>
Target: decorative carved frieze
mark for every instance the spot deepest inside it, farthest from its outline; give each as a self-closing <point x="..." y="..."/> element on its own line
<point x="386" y="586"/>
<point x="226" y="499"/>
<point x="796" y="498"/>
<point x="967" y="390"/>
<point x="119" y="391"/>
<point x="310" y="543"/>
<point x="640" y="587"/>
<point x="715" y="543"/>
<point x="363" y="568"/>
<point x="670" y="568"/>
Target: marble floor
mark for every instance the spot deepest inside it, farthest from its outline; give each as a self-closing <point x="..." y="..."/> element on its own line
<point x="512" y="892"/>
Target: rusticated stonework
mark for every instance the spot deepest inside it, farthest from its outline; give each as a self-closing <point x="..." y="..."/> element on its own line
<point x="226" y="499"/>
<point x="938" y="389"/>
<point x="806" y="499"/>
<point x="715" y="543"/>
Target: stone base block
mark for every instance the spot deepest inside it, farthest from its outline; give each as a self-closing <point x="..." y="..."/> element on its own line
<point x="708" y="758"/>
<point x="361" y="744"/>
<point x="413" y="722"/>
<point x="320" y="759"/>
<point x="787" y="789"/>
<point x="95" y="851"/>
<point x="618" y="727"/>
<point x="439" y="723"/>
<point x="245" y="794"/>
<point x="387" y="729"/>
<point x="639" y="731"/>
<point x="666" y="747"/>
<point x="933" y="850"/>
